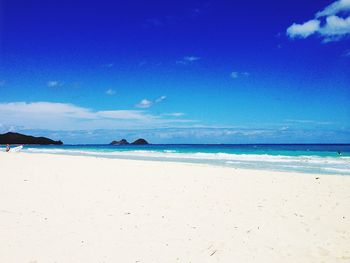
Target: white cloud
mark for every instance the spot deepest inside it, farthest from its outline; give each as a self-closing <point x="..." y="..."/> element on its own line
<point x="64" y="116"/>
<point x="174" y="114"/>
<point x="313" y="122"/>
<point x="160" y="99"/>
<point x="50" y="108"/>
<point x="216" y="135"/>
<point x="193" y="134"/>
<point x="327" y="23"/>
<point x="54" y="84"/>
<point x="188" y="60"/>
<point x="236" y="74"/>
<point x="110" y="92"/>
<point x="303" y="30"/>
<point x="145" y="103"/>
<point x="191" y="58"/>
<point x="124" y="115"/>
<point x="334" y="8"/>
<point x="336" y="26"/>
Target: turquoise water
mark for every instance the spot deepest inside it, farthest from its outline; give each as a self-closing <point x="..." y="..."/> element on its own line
<point x="310" y="158"/>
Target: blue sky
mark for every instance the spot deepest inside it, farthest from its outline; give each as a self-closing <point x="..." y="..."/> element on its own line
<point x="176" y="71"/>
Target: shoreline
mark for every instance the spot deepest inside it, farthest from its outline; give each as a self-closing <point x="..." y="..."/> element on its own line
<point x="164" y="161"/>
<point x="59" y="208"/>
<point x="309" y="164"/>
<point x="268" y="161"/>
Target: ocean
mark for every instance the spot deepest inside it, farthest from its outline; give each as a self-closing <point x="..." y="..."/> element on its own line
<point x="304" y="158"/>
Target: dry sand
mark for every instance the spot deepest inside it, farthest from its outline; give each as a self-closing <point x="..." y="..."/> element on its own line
<point x="56" y="208"/>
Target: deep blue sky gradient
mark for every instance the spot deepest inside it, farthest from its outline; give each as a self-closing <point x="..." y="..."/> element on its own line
<point x="137" y="48"/>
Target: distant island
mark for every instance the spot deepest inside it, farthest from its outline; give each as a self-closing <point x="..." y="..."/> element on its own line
<point x="125" y="142"/>
<point x="17" y="138"/>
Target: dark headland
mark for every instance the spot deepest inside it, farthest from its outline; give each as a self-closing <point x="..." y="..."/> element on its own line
<point x="17" y="138"/>
<point x="125" y="142"/>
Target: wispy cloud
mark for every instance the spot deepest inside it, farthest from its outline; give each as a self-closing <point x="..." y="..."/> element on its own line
<point x="236" y="74"/>
<point x="195" y="135"/>
<point x="174" y="114"/>
<point x="64" y="116"/>
<point x="110" y="92"/>
<point x="75" y="124"/>
<point x="234" y="135"/>
<point x="334" y="8"/>
<point x="334" y="27"/>
<point x="2" y="83"/>
<point x="191" y="58"/>
<point x="188" y="60"/>
<point x="54" y="84"/>
<point x="146" y="103"/>
<point x="160" y="99"/>
<point x="313" y="122"/>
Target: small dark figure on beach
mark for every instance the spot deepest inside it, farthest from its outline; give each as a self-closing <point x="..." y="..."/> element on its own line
<point x="8" y="147"/>
<point x="339" y="152"/>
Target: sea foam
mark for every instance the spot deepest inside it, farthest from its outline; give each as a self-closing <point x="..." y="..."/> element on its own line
<point x="310" y="164"/>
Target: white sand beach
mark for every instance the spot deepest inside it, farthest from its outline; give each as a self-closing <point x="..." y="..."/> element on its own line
<point x="56" y="208"/>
